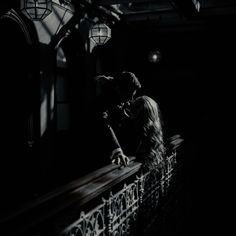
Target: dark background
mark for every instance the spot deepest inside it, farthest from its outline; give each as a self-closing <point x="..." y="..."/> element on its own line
<point x="194" y="86"/>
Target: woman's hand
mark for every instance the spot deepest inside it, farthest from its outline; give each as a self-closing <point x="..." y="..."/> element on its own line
<point x="121" y="160"/>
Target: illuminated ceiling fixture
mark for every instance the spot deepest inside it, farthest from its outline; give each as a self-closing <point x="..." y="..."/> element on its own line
<point x="36" y="9"/>
<point x="100" y="33"/>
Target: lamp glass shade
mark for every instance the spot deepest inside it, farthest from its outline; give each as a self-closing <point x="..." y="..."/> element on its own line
<point x="100" y="33"/>
<point x="36" y="9"/>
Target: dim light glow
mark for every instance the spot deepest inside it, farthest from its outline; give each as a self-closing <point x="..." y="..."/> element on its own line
<point x="154" y="56"/>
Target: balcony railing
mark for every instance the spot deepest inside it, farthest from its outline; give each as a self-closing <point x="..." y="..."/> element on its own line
<point x="110" y="201"/>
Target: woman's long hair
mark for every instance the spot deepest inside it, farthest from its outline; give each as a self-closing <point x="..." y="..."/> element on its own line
<point x="148" y="122"/>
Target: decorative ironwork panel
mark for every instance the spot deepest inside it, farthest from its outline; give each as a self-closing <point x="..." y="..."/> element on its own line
<point x="150" y="192"/>
<point x="90" y="224"/>
<point x="150" y="186"/>
<point x="122" y="210"/>
<point x="170" y="165"/>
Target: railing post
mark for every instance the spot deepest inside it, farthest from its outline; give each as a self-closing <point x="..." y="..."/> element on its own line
<point x="108" y="215"/>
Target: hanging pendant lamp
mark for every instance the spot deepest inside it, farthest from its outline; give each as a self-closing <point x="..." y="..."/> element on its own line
<point x="36" y="9"/>
<point x="100" y="33"/>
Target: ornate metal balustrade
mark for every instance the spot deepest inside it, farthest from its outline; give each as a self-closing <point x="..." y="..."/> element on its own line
<point x="111" y="201"/>
<point x="129" y="211"/>
<point x="92" y="223"/>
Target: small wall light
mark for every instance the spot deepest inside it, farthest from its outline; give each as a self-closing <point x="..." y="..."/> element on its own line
<point x="154" y="56"/>
<point x="100" y="33"/>
<point x="36" y="9"/>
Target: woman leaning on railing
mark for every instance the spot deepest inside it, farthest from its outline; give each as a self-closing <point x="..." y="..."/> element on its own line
<point x="147" y="134"/>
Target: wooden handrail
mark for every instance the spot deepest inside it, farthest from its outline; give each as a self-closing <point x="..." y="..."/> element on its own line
<point x="79" y="192"/>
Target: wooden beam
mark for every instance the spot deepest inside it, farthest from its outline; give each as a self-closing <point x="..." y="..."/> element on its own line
<point x="112" y="2"/>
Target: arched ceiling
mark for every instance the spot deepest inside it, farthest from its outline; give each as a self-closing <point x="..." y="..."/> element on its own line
<point x="157" y="12"/>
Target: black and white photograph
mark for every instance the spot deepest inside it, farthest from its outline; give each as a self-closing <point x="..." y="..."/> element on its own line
<point x="116" y="117"/>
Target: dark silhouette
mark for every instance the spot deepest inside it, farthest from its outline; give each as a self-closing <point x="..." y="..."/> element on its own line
<point x="112" y="95"/>
<point x="148" y="137"/>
